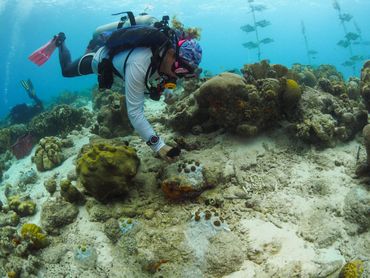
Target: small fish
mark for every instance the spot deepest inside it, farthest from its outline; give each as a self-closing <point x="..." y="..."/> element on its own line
<point x="248" y="28"/>
<point x="250" y="45"/>
<point x="267" y="40"/>
<point x="263" y="23"/>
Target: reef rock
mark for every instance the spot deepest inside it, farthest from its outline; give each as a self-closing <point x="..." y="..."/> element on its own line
<point x="48" y="154"/>
<point x="357" y="208"/>
<point x="57" y="214"/>
<point x="105" y="170"/>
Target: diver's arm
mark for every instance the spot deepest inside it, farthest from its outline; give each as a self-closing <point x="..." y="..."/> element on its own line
<point x="134" y="89"/>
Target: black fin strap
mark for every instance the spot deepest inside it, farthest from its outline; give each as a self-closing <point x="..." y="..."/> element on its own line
<point x="132" y="18"/>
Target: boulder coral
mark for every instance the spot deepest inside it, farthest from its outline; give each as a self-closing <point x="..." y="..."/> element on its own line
<point x="112" y="118"/>
<point x="48" y="154"/>
<point x="228" y="101"/>
<point x="105" y="170"/>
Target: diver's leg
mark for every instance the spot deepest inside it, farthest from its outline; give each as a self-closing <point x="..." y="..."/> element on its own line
<point x="81" y="66"/>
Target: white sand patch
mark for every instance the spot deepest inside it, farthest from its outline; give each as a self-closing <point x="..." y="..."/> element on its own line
<point x="101" y="243"/>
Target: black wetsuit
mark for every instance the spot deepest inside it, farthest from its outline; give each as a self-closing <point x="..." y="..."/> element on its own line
<point x="81" y="66"/>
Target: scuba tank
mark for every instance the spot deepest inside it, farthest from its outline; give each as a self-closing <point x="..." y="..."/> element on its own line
<point x="102" y="32"/>
<point x="126" y="21"/>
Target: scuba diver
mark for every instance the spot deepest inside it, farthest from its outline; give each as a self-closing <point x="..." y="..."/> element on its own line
<point x="146" y="53"/>
<point x="23" y="113"/>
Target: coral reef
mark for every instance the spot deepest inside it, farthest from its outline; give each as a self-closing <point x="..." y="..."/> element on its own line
<point x="105" y="170"/>
<point x="112" y="118"/>
<point x="48" y="154"/>
<point x="9" y="135"/>
<point x="227" y="101"/>
<point x="365" y="83"/>
<point x="34" y="235"/>
<point x="325" y="119"/>
<point x="61" y="120"/>
<point x="184" y="180"/>
<point x="262" y="70"/>
<point x="352" y="269"/>
<point x="57" y="214"/>
<point x="5" y="162"/>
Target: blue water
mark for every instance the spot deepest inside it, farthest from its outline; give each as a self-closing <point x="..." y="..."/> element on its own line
<point x="27" y="24"/>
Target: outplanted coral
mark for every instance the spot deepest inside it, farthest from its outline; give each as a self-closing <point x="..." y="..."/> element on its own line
<point x="184" y="180"/>
<point x="34" y="235"/>
<point x="105" y="170"/>
<point x="48" y="154"/>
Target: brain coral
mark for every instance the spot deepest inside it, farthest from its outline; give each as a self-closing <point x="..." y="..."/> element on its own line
<point x="105" y="170"/>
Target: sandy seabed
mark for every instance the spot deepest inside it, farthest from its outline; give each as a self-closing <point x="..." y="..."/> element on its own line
<point x="283" y="203"/>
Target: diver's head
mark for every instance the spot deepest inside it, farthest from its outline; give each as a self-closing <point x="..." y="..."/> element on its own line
<point x="188" y="60"/>
<point x="185" y="63"/>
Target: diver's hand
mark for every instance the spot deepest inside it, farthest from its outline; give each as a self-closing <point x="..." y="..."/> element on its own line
<point x="168" y="153"/>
